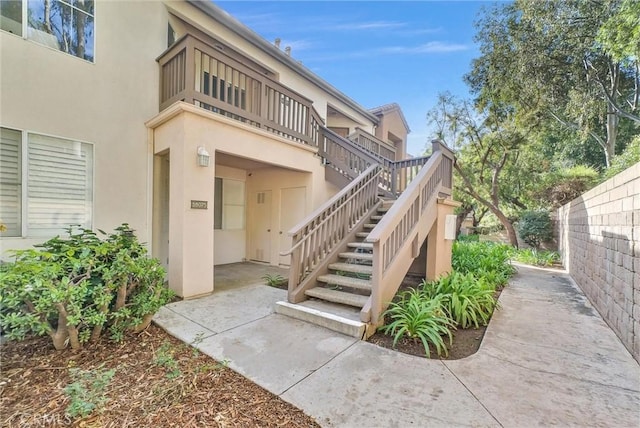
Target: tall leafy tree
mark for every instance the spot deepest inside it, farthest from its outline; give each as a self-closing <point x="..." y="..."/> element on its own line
<point x="488" y="146"/>
<point x="546" y="59"/>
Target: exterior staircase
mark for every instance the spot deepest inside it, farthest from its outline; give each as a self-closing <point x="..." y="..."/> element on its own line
<point x="349" y="257"/>
<point x="348" y="281"/>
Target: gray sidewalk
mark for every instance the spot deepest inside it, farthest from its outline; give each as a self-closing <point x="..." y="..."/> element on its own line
<point x="547" y="358"/>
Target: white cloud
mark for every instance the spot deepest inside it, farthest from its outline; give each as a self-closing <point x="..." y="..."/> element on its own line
<point x="373" y="25"/>
<point x="430" y="47"/>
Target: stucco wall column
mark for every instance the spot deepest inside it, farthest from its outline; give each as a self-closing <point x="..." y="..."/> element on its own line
<point x="439" y="248"/>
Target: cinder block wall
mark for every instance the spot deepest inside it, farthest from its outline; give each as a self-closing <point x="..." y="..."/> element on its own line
<point x="599" y="241"/>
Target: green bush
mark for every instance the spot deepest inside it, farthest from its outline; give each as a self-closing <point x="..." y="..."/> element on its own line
<point x="534" y="228"/>
<point x="536" y="257"/>
<point x="463" y="298"/>
<point x="87" y="392"/>
<point x="466" y="299"/>
<point x="469" y="238"/>
<point x="629" y="157"/>
<point x="566" y="184"/>
<point x="419" y="318"/>
<point x="72" y="289"/>
<point x="486" y="260"/>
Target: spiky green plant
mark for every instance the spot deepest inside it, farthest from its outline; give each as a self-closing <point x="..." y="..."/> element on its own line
<point x="483" y="259"/>
<point x="417" y="318"/>
<point x="468" y="300"/>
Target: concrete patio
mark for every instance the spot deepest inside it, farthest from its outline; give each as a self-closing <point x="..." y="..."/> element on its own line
<point x="547" y="358"/>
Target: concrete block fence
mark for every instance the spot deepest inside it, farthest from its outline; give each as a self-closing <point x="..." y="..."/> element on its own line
<point x="599" y="241"/>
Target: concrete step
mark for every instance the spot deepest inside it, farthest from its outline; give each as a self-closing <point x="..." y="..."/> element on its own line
<point x="360" y="245"/>
<point x="336" y="296"/>
<point x="346" y="281"/>
<point x="356" y="256"/>
<point x="362" y="234"/>
<point x="322" y="317"/>
<point x="369" y="225"/>
<point x="384" y="209"/>
<point x="376" y="217"/>
<point x="351" y="267"/>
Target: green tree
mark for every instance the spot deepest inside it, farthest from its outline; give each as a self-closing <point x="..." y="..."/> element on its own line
<point x="543" y="59"/>
<point x="488" y="145"/>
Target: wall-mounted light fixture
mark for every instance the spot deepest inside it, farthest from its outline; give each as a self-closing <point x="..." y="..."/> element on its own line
<point x="203" y="156"/>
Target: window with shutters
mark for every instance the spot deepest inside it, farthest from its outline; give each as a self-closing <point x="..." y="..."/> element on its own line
<point x="46" y="184"/>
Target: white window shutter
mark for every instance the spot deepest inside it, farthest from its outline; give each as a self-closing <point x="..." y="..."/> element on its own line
<point x="60" y="185"/>
<point x="10" y="181"/>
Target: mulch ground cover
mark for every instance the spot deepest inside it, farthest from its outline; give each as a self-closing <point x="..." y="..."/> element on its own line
<point x="159" y="382"/>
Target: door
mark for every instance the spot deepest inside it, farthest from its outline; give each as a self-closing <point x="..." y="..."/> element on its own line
<point x="293" y="201"/>
<point x="163" y="211"/>
<point x="260" y="226"/>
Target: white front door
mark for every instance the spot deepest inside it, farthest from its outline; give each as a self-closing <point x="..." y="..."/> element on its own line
<point x="293" y="202"/>
<point x="260" y="247"/>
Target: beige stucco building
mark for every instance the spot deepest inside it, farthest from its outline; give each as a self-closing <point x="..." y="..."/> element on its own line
<point x="211" y="142"/>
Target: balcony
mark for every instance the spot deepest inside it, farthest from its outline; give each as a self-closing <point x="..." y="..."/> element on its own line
<point x="200" y="74"/>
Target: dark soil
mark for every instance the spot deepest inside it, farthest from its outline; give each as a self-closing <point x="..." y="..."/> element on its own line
<point x="146" y="390"/>
<point x="465" y="342"/>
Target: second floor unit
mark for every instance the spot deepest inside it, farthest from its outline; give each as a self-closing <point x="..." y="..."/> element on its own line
<point x="147" y="55"/>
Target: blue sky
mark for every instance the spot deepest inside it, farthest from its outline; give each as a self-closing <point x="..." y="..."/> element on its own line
<point x="376" y="52"/>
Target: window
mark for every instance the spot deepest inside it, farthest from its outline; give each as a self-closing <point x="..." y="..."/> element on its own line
<point x="46" y="184"/>
<point x="228" y="204"/>
<point x="66" y="25"/>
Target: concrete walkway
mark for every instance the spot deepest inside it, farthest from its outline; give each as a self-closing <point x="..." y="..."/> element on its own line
<point x="547" y="358"/>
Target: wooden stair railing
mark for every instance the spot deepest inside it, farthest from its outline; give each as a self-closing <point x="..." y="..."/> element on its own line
<point x="399" y="235"/>
<point x="350" y="160"/>
<point x="318" y="239"/>
<point x="373" y="144"/>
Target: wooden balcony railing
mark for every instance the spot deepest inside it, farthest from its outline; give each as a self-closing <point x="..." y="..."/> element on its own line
<point x="197" y="73"/>
<point x="373" y="144"/>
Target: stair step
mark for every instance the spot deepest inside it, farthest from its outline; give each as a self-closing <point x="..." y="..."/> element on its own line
<point x="383" y="209"/>
<point x="357" y="256"/>
<point x="376" y="217"/>
<point x="362" y="245"/>
<point x="362" y="234"/>
<point x="369" y="225"/>
<point x="353" y="268"/>
<point x="346" y="281"/>
<point x="324" y="316"/>
<point x="342" y="297"/>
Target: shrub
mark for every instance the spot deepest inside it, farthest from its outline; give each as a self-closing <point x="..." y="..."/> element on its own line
<point x="466" y="299"/>
<point x="629" y="157"/>
<point x="274" y="280"/>
<point x="486" y="260"/>
<point x="419" y="318"/>
<point x="87" y="391"/>
<point x="469" y="238"/>
<point x="565" y="185"/>
<point x="538" y="258"/>
<point x="71" y="289"/>
<point x="535" y="228"/>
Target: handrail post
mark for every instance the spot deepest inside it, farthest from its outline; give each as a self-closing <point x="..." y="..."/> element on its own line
<point x="447" y="153"/>
<point x="190" y="71"/>
<point x="376" y="278"/>
<point x="294" y="270"/>
<point x="394" y="179"/>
